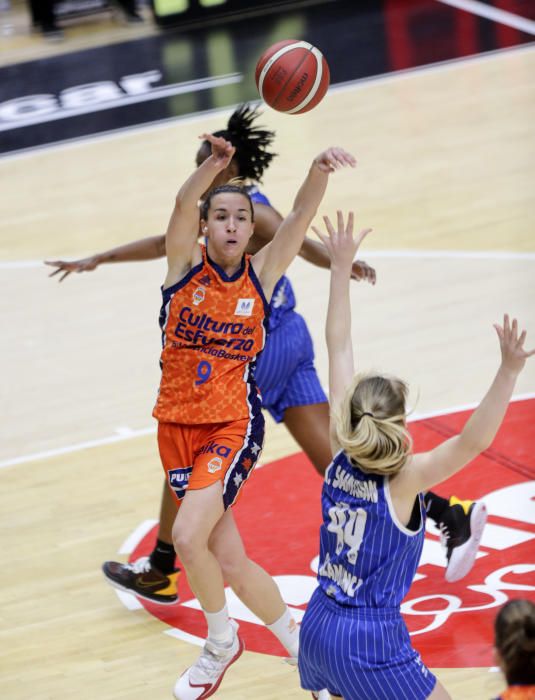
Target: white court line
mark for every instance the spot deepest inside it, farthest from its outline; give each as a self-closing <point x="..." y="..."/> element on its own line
<point x="128" y="435"/>
<point x="493" y="13"/>
<point x="170" y="122"/>
<point x="415" y="254"/>
<point x="135" y="537"/>
<point x="185" y="637"/>
<point x="56" y="452"/>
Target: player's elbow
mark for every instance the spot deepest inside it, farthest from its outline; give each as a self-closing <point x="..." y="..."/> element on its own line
<point x="474" y="443"/>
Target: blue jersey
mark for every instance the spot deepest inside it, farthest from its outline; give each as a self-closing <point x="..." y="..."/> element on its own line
<point x="285" y="372"/>
<point x="367" y="557"/>
<point x="353" y="640"/>
<point x="283" y="298"/>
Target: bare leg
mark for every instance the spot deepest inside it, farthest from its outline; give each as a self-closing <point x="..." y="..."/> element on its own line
<point x="197" y="517"/>
<point x="309" y="426"/>
<point x="439" y="693"/>
<point x="168" y="511"/>
<point x="253" y="586"/>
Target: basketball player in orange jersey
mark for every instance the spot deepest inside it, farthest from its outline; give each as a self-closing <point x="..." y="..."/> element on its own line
<point x="291" y="390"/>
<point x="210" y="423"/>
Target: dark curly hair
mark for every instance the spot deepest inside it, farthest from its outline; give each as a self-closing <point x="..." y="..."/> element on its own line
<point x="251" y="142"/>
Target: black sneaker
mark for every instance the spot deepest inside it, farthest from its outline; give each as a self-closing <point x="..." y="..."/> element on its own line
<point x="144" y="580"/>
<point x="461" y="529"/>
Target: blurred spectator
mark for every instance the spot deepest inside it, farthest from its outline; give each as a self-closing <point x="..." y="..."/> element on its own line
<point x="130" y="10"/>
<point x="44" y="19"/>
<point x="514" y="634"/>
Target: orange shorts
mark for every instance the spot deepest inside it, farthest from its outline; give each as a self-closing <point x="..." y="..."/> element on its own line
<point x="197" y="456"/>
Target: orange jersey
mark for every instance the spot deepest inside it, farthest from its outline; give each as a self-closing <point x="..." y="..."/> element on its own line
<point x="213" y="327"/>
<point x="518" y="692"/>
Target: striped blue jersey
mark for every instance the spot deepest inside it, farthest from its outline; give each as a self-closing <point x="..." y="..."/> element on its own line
<point x="367" y="557"/>
<point x="283" y="298"/>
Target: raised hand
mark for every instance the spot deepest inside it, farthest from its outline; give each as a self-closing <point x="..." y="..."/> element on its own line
<point x="62" y="266"/>
<point x="341" y="245"/>
<point x="222" y="150"/>
<point x="512" y="345"/>
<point x="334" y="158"/>
<point x="361" y="271"/>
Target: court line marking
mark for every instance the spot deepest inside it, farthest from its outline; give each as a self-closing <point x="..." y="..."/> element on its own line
<point x="135" y="537"/>
<point x="130" y="434"/>
<point x="386" y="254"/>
<point x="194" y="117"/>
<point x="493" y="13"/>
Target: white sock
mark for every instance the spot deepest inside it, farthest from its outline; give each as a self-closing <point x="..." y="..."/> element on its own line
<point x="219" y="628"/>
<point x="287" y="632"/>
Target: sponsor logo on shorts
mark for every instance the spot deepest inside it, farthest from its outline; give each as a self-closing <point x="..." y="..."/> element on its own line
<point x="215" y="464"/>
<point x="178" y="480"/>
<point x="215" y="448"/>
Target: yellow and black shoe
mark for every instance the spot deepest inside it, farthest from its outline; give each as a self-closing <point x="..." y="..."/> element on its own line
<point x="143" y="579"/>
<point x="461" y="527"/>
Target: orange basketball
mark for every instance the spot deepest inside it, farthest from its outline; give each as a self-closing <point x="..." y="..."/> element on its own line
<point x="292" y="76"/>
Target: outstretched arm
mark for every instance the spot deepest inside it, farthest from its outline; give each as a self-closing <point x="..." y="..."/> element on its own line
<point x="429" y="468"/>
<point x="144" y="249"/>
<point x="342" y="247"/>
<point x="315" y="253"/>
<point x="183" y="228"/>
<point x="267" y="222"/>
<point x="271" y="262"/>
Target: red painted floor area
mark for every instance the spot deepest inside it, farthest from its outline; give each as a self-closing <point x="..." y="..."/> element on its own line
<point x="450" y="623"/>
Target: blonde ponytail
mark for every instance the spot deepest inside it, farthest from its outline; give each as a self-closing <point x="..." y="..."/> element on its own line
<point x="370" y="424"/>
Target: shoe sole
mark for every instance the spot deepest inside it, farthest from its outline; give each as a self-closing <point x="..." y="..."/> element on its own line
<point x="213" y="689"/>
<point x="119" y="587"/>
<point x="462" y="558"/>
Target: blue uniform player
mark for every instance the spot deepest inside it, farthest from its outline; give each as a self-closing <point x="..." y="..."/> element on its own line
<point x="285" y="374"/>
<point x="353" y="639"/>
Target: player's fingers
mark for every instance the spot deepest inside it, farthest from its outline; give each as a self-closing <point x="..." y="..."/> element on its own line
<point x="506" y="327"/>
<point x="340" y="221"/>
<point x="350" y="223"/>
<point x="319" y="234"/>
<point x="65" y="274"/>
<point x="499" y="331"/>
<point x="55" y="272"/>
<point x="521" y="340"/>
<point x="514" y="330"/>
<point x="345" y="158"/>
<point x="362" y="235"/>
<point x="329" y="226"/>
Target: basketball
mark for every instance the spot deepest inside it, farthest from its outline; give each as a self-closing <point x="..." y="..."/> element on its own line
<point x="292" y="76"/>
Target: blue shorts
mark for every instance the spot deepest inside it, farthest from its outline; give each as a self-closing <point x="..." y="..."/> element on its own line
<point x="285" y="372"/>
<point x="359" y="653"/>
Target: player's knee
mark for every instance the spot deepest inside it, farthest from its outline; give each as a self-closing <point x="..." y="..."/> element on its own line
<point x="187" y="544"/>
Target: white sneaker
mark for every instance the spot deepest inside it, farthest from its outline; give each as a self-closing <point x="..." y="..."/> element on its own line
<point x="321" y="695"/>
<point x="203" y="678"/>
<point x="461" y="531"/>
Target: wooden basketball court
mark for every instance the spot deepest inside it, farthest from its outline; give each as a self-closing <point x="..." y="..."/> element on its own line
<point x="444" y="177"/>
